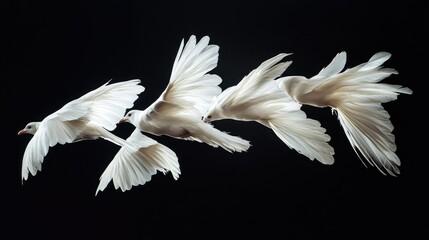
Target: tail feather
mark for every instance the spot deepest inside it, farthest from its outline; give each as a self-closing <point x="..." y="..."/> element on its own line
<point x="208" y="134"/>
<point x="349" y="77"/>
<point x="370" y="93"/>
<point x="375" y="61"/>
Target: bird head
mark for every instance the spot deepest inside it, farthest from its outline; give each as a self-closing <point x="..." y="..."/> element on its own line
<point x="130" y="117"/>
<point x="212" y="114"/>
<point x="30" y="128"/>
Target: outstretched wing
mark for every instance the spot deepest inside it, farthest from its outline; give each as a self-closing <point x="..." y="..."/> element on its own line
<point x="334" y="67"/>
<point x="137" y="161"/>
<point x="356" y="95"/>
<point x="50" y="132"/>
<point x="292" y="125"/>
<point x="109" y="102"/>
<point x="254" y="85"/>
<point x="191" y="88"/>
<point x="105" y="105"/>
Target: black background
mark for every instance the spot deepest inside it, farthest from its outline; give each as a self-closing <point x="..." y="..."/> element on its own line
<point x="56" y="51"/>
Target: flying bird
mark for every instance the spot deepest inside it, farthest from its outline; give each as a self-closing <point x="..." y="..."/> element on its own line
<point x="178" y="110"/>
<point x="356" y="96"/>
<point x="258" y="98"/>
<point x="93" y="116"/>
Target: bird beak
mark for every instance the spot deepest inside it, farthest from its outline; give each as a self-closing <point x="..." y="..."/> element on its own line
<point x="122" y="120"/>
<point x="21" y="132"/>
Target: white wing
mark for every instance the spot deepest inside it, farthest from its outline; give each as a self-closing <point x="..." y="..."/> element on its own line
<point x="137" y="161"/>
<point x="297" y="131"/>
<point x="258" y="98"/>
<point x="335" y="66"/>
<point x="59" y="127"/>
<point x="50" y="132"/>
<point x="109" y="102"/>
<point x="105" y="105"/>
<point x="191" y="88"/>
<point x="356" y="95"/>
<point x="255" y="86"/>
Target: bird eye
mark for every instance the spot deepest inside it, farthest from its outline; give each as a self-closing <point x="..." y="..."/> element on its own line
<point x="29" y="127"/>
<point x="129" y="114"/>
<point x="209" y="116"/>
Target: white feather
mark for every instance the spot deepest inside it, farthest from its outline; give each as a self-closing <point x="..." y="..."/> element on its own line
<point x="90" y="117"/>
<point x="356" y="95"/>
<point x="137" y="161"/>
<point x="258" y="98"/>
<point x="177" y="112"/>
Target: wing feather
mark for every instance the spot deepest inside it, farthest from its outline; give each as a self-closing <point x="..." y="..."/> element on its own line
<point x="255" y="84"/>
<point x="356" y="95"/>
<point x="137" y="161"/>
<point x="50" y="133"/>
<point x="336" y="66"/>
<point x="190" y="85"/>
<point x="108" y="103"/>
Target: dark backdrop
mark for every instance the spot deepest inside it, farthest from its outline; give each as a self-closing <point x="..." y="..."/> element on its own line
<point x="58" y="50"/>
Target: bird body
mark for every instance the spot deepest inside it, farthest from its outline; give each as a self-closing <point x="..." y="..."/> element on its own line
<point x="90" y="117"/>
<point x="258" y="98"/>
<point x="177" y="112"/>
<point x="355" y="95"/>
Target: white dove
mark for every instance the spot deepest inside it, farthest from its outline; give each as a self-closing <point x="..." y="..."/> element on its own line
<point x="177" y="112"/>
<point x="90" y="117"/>
<point x="258" y="98"/>
<point x="356" y="96"/>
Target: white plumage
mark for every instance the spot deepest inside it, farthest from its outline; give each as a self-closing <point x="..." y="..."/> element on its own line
<point x="258" y="98"/>
<point x="137" y="161"/>
<point x="93" y="116"/>
<point x="177" y="112"/>
<point x="356" y="95"/>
